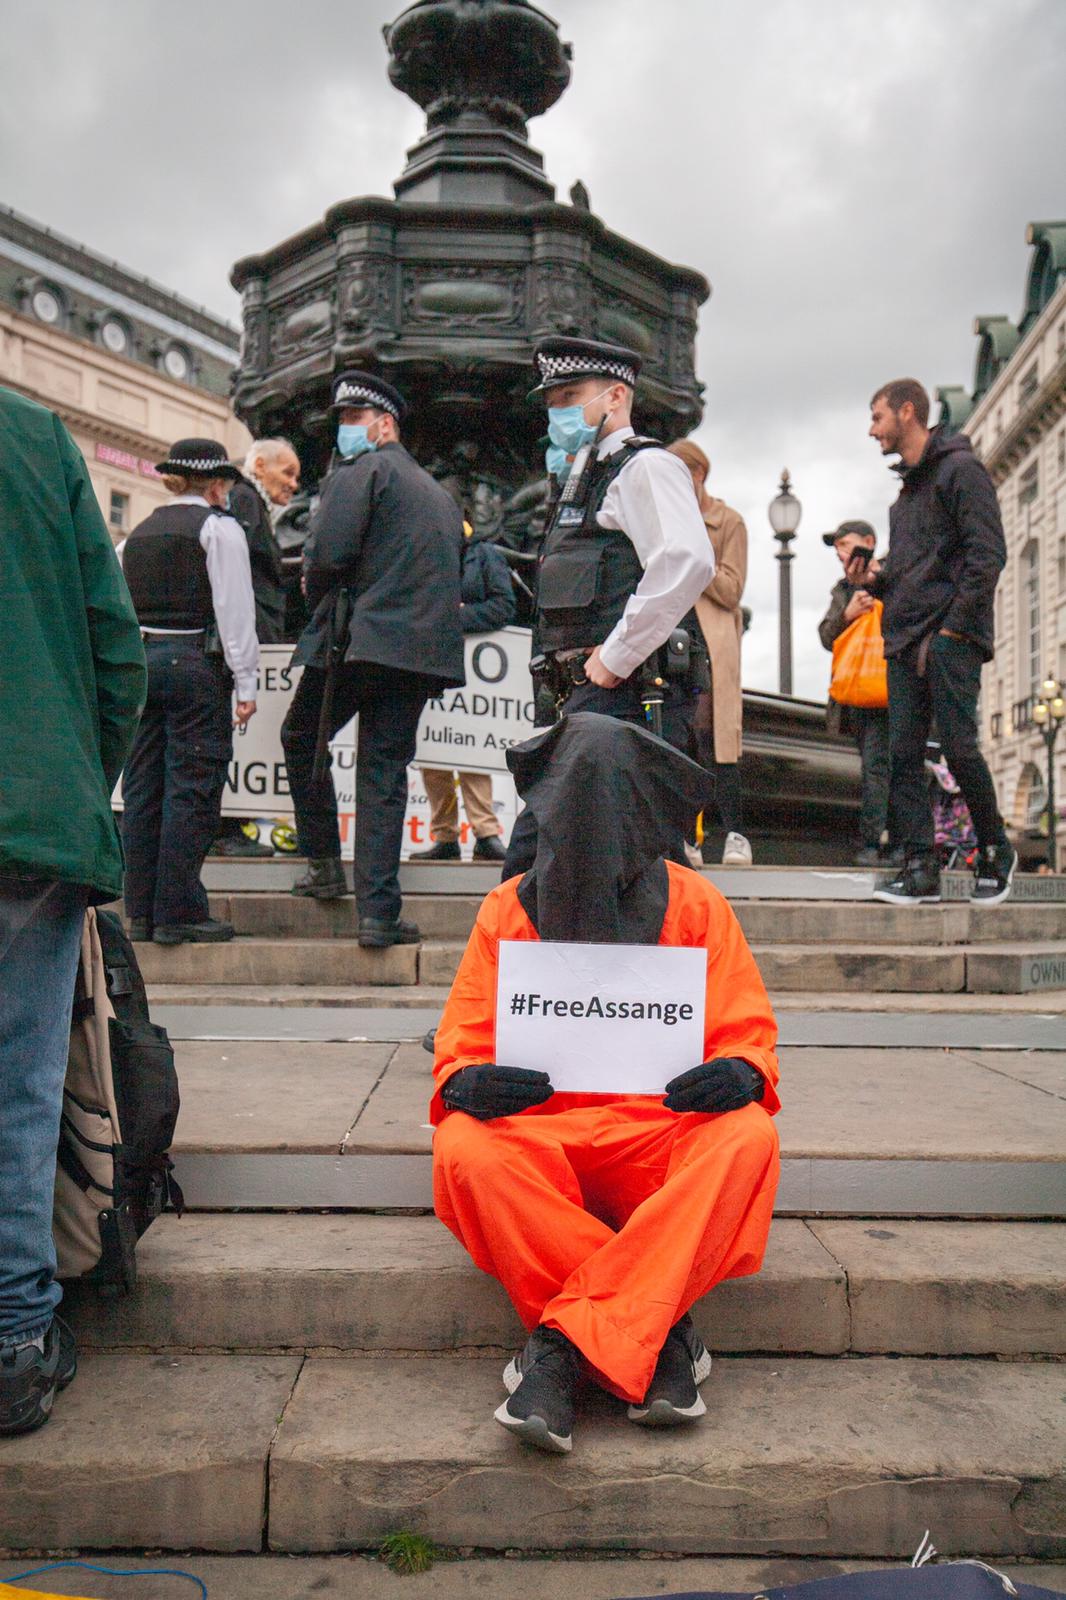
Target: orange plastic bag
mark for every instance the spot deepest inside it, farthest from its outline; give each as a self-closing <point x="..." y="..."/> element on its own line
<point x="860" y="677"/>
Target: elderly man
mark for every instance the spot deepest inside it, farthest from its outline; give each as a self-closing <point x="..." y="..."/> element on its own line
<point x="271" y="478"/>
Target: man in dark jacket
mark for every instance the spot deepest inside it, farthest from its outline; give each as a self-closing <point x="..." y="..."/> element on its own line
<point x="488" y="603"/>
<point x="72" y="684"/>
<point x="946" y="551"/>
<point x="382" y="577"/>
<point x="868" y="724"/>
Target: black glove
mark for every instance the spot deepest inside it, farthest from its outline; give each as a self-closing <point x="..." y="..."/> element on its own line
<point x="491" y="1091"/>
<point x="725" y="1084"/>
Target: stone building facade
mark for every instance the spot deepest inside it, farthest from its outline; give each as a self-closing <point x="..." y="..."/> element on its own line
<point x="128" y="366"/>
<point x="1016" y="418"/>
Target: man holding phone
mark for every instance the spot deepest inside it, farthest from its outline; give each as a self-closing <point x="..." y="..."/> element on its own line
<point x="946" y="552"/>
<point x="854" y="544"/>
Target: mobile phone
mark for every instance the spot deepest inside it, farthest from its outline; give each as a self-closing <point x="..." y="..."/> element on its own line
<point x="862" y="554"/>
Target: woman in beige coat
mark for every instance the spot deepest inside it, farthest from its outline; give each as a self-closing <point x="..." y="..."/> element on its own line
<point x="717" y="725"/>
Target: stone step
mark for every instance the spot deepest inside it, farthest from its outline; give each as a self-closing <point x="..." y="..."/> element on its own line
<point x="869" y="922"/>
<point x="841" y="1458"/>
<point x="404" y="1284"/>
<point x="149" y="1451"/>
<point x="858" y="1104"/>
<point x="827" y="1457"/>
<point x="579" y="1577"/>
<point x="278" y="961"/>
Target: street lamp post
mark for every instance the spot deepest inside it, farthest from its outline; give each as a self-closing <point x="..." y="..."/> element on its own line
<point x="1048" y="713"/>
<point x="785" y="513"/>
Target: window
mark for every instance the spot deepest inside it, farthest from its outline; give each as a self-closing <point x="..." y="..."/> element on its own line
<point x="119" y="514"/>
<point x="1061" y="448"/>
<point x="1061" y="565"/>
<point x="1028" y="384"/>
<point x="177" y="363"/>
<point x="115" y="336"/>
<point x="47" y="304"/>
<point x="1031" y="614"/>
<point x="1029" y="485"/>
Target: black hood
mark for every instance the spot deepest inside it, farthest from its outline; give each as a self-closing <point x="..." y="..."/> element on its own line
<point x="939" y="444"/>
<point x="610" y="800"/>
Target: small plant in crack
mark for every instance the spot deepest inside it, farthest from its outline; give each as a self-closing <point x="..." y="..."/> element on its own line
<point x="408" y="1552"/>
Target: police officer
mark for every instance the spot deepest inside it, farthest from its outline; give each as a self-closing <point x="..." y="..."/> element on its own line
<point x="624" y="559"/>
<point x="382" y="577"/>
<point x="188" y="572"/>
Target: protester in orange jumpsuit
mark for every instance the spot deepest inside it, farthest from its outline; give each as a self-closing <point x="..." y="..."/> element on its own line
<point x="606" y="1217"/>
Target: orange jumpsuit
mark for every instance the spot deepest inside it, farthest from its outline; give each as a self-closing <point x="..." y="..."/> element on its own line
<point x="608" y="1217"/>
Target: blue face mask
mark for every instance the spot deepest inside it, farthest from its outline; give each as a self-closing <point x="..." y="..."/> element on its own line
<point x="567" y="427"/>
<point x="353" y="439"/>
<point x="557" y="462"/>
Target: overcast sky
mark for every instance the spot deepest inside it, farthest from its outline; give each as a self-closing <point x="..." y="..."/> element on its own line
<point x="853" y="176"/>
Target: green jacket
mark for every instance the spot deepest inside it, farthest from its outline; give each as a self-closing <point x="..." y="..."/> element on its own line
<point x="72" y="675"/>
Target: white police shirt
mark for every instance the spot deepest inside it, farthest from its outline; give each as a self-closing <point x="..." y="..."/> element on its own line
<point x="653" y="502"/>
<point x="225" y="545"/>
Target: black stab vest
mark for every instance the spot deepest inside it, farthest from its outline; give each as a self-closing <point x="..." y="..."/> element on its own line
<point x="586" y="573"/>
<point x="166" y="569"/>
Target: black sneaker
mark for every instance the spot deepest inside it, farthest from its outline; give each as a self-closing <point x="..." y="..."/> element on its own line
<point x="443" y="850"/>
<point x="490" y="849"/>
<point x="673" y="1394"/>
<point x="993" y="870"/>
<point x="212" y="931"/>
<point x="30" y="1379"/>
<point x="323" y="880"/>
<point x="541" y="1381"/>
<point x="377" y="935"/>
<point x="917" y="885"/>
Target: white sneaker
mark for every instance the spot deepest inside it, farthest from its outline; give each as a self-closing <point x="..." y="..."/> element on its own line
<point x="694" y="856"/>
<point x="737" y="852"/>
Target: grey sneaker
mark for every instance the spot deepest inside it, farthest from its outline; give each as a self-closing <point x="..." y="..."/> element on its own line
<point x="541" y="1381"/>
<point x="917" y="885"/>
<point x="993" y="871"/>
<point x="30" y="1378"/>
<point x="673" y="1395"/>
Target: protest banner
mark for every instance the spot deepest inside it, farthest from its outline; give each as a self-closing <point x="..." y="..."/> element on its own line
<point x="601" y="1018"/>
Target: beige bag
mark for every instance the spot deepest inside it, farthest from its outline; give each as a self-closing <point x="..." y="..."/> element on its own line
<point x="120" y="1104"/>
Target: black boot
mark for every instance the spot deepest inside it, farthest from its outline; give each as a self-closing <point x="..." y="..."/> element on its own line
<point x="375" y="934"/>
<point x="443" y="850"/>
<point x="210" y="932"/>
<point x="323" y="880"/>
<point x="490" y="849"/>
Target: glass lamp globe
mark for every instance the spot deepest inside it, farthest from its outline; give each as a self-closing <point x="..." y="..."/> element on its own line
<point x="1049" y="688"/>
<point x="1040" y="713"/>
<point x="785" y="510"/>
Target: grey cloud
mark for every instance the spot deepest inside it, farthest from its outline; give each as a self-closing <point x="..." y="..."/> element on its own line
<point x="854" y="178"/>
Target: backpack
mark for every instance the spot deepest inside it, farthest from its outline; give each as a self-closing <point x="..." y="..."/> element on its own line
<point x="120" y="1106"/>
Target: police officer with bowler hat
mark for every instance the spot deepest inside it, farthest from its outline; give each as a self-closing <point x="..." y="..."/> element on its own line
<point x="381" y="568"/>
<point x="624" y="559"/>
<point x="189" y="574"/>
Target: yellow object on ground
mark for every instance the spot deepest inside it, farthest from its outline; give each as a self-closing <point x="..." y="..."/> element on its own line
<point x="7" y="1589"/>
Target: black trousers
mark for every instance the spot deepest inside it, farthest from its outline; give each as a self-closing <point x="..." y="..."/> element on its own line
<point x="945" y="692"/>
<point x="870" y="725"/>
<point x="173" y="781"/>
<point x="388" y="703"/>
<point x="623" y="703"/>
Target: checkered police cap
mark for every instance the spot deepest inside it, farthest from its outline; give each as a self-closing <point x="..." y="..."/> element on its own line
<point x="364" y="389"/>
<point x="561" y="360"/>
<point x="197" y="458"/>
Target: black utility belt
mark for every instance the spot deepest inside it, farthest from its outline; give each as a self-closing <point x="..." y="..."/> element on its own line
<point x="679" y="660"/>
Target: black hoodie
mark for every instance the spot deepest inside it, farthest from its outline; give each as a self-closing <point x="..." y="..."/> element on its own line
<point x="946" y="549"/>
<point x="610" y="800"/>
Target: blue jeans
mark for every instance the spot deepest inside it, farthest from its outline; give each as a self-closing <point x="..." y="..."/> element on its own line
<point x="40" y="942"/>
<point x="173" y="782"/>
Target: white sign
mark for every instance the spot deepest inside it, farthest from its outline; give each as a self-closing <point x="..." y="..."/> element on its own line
<point x="601" y="1018"/>
<point x="472" y="728"/>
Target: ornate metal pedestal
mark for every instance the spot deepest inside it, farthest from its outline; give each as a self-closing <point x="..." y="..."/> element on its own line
<point x="445" y="289"/>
